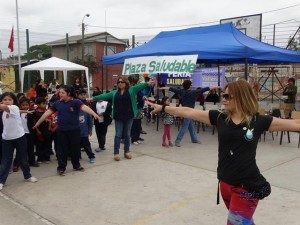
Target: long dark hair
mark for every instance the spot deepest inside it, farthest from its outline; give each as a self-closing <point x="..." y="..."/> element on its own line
<point x="11" y="95"/>
<point x="37" y="83"/>
<point x="164" y="99"/>
<point x="69" y="90"/>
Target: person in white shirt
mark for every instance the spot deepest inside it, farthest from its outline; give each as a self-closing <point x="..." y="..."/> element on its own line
<point x="13" y="137"/>
<point x="103" y="109"/>
<point x="52" y="86"/>
<point x="27" y="122"/>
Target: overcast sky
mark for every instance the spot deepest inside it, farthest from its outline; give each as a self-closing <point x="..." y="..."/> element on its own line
<point x="48" y="20"/>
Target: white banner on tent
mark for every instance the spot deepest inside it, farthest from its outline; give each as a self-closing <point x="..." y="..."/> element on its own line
<point x="160" y="64"/>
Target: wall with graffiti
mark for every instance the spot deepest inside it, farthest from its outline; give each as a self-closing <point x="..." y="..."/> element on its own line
<point x="8" y="77"/>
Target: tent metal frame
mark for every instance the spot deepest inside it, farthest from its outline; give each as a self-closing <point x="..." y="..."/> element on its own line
<point x="271" y="74"/>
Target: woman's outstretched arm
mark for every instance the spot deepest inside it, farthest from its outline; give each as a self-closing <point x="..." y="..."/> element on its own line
<point x="284" y="125"/>
<point x="185" y="112"/>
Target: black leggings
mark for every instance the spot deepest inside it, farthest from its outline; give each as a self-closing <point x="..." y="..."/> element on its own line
<point x="68" y="143"/>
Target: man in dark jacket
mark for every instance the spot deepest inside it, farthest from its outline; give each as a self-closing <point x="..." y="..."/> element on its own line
<point x="188" y="100"/>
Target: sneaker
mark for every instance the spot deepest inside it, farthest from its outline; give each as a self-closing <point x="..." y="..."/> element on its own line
<point x="31" y="179"/>
<point x="92" y="160"/>
<point x="143" y="132"/>
<point x="127" y="156"/>
<point x="165" y="145"/>
<point x="61" y="172"/>
<point x="82" y="149"/>
<point x="103" y="148"/>
<point x="98" y="150"/>
<point x="141" y="139"/>
<point x="1" y="186"/>
<point x="139" y="142"/>
<point x="80" y="168"/>
<point x="47" y="162"/>
<point x="135" y="143"/>
<point x="117" y="157"/>
<point x="197" y="142"/>
<point x="170" y="144"/>
<point x="177" y="145"/>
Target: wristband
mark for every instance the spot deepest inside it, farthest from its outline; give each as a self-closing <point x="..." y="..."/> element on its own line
<point x="163" y="107"/>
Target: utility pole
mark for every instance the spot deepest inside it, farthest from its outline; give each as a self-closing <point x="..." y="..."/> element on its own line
<point x="82" y="41"/>
<point x="19" y="51"/>
<point x="67" y="47"/>
<point x="133" y="41"/>
<point x="274" y="34"/>
<point x="28" y="57"/>
<point x="106" y="67"/>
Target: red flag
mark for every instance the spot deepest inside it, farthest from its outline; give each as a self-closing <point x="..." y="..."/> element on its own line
<point x="11" y="40"/>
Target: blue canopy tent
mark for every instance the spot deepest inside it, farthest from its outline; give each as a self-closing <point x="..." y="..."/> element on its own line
<point x="215" y="44"/>
<point x="221" y="44"/>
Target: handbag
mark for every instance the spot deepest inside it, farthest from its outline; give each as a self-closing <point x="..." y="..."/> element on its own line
<point x="257" y="188"/>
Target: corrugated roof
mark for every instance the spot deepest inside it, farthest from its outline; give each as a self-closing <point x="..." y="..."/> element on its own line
<point x="93" y="37"/>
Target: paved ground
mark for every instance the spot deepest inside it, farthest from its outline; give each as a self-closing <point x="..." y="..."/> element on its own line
<point x="159" y="186"/>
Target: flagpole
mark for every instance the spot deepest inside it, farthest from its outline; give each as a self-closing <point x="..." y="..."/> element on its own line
<point x="18" y="34"/>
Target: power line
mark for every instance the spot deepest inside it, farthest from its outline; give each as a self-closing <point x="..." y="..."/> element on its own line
<point x="145" y="28"/>
<point x="187" y="25"/>
<point x="283" y="28"/>
<point x="275" y="10"/>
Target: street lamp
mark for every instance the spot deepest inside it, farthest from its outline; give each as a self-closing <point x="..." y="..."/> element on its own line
<point x="83" y="28"/>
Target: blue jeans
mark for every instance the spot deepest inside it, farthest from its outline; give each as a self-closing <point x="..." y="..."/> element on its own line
<point x="123" y="129"/>
<point x="187" y="124"/>
<point x="8" y="146"/>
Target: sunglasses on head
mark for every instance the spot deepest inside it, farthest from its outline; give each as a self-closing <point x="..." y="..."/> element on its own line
<point x="226" y="96"/>
<point x="122" y="82"/>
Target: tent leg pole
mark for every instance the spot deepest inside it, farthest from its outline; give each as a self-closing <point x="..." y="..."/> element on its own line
<point x="246" y="69"/>
<point x="157" y="94"/>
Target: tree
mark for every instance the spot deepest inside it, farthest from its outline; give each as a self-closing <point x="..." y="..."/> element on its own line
<point x="40" y="52"/>
<point x="294" y="44"/>
<point x="90" y="63"/>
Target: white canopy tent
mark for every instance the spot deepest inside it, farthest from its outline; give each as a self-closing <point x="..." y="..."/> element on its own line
<point x="55" y="64"/>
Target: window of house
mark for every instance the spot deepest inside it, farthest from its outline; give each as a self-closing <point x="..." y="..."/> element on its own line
<point x="87" y="50"/>
<point x="110" y="50"/>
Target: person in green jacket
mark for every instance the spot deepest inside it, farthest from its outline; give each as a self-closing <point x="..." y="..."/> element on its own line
<point x="124" y="110"/>
<point x="290" y="91"/>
